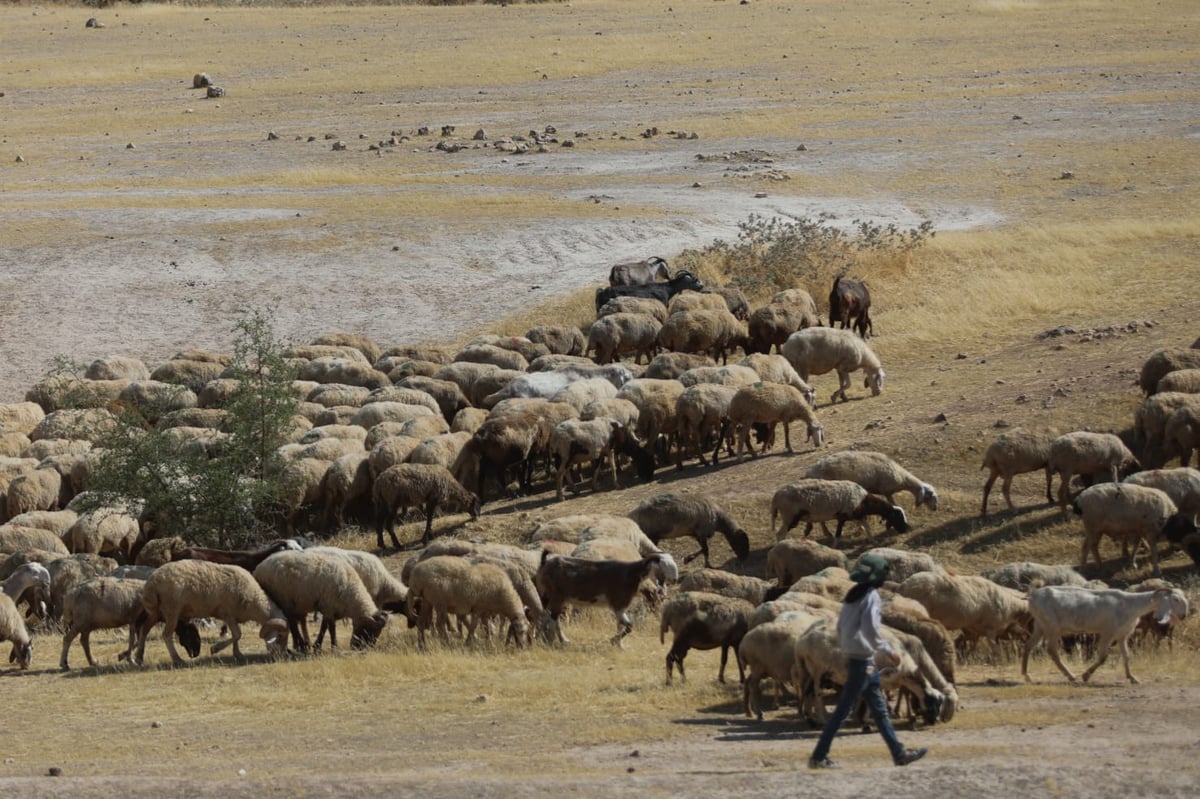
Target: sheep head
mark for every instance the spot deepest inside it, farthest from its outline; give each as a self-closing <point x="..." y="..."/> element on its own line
<point x="817" y="433"/>
<point x="875" y="383"/>
<point x="739" y="542"/>
<point x="367" y="630"/>
<point x="22" y="654"/>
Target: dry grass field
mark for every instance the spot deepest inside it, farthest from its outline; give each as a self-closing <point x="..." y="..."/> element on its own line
<point x="1053" y="144"/>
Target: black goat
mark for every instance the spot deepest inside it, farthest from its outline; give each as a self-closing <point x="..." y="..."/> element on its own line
<point x="663" y="292"/>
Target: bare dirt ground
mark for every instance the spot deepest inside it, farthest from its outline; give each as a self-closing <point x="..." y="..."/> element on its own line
<point x="154" y="269"/>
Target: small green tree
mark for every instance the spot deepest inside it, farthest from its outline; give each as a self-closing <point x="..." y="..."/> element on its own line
<point x="226" y="494"/>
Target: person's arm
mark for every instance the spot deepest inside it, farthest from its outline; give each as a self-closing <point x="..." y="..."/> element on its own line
<point x="872" y="624"/>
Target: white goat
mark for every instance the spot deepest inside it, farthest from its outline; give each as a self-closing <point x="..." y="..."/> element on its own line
<point x="1060" y="610"/>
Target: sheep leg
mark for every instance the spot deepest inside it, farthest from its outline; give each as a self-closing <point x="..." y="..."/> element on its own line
<point x="744" y="443"/>
<point x="787" y="437"/>
<point x="67" y="639"/>
<point x="169" y="638"/>
<point x="430" y="507"/>
<point x="143" y="633"/>
<point x="1034" y="638"/>
<point x="987" y="489"/>
<point x="749" y="695"/>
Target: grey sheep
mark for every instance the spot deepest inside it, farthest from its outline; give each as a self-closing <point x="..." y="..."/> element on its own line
<point x="1129" y="514"/>
<point x="1026" y="576"/>
<point x="1091" y="455"/>
<point x="1181" y="435"/>
<point x="446" y="584"/>
<point x="702" y="411"/>
<point x="1150" y="422"/>
<point x="193" y="589"/>
<point x="1186" y="381"/>
<point x="1016" y="452"/>
<point x="1182" y="485"/>
<point x="770" y="326"/>
<point x="70" y="571"/>
<point x="689" y="300"/>
<point x="449" y="397"/>
<point x="1162" y="363"/>
<point x="754" y="590"/>
<point x="678" y="515"/>
<point x="310" y="581"/>
<point x="12" y="629"/>
<point x="815" y="500"/>
<point x="793" y="558"/>
<point x="375" y="413"/>
<point x="701" y="620"/>
<point x="711" y="332"/>
<point x="875" y="472"/>
<point x="639" y="305"/>
<point x="818" y="350"/>
<point x="416" y="484"/>
<point x="670" y="365"/>
<point x="558" y="339"/>
<point x="363" y="343"/>
<point x="347" y="479"/>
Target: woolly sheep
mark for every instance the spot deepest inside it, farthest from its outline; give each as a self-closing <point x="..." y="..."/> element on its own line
<point x="528" y="349"/>
<point x="1026" y="576"/>
<point x="1093" y="455"/>
<point x="398" y="369"/>
<point x="320" y="582"/>
<point x="374" y="413"/>
<point x="424" y="485"/>
<point x="701" y="620"/>
<point x="656" y="402"/>
<point x="443" y="450"/>
<point x="732" y="375"/>
<point x="670" y="365"/>
<point x="363" y="343"/>
<point x="568" y="528"/>
<point x="468" y="420"/>
<point x="559" y="339"/>
<point x="701" y="412"/>
<point x="1110" y="614"/>
<point x="793" y="558"/>
<point x="640" y="305"/>
<point x="301" y="482"/>
<point x="445" y="584"/>
<point x="551" y="363"/>
<point x="20" y="417"/>
<point x="772" y="324"/>
<point x="464" y="374"/>
<point x="313" y="352"/>
<point x="610" y="337"/>
<point x="975" y="605"/>
<point x="1163" y="362"/>
<point x="771" y="404"/>
<point x="817" y="350"/>
<point x="192" y="589"/>
<point x="582" y="392"/>
<point x="1016" y="452"/>
<point x="191" y="374"/>
<point x="509" y="440"/>
<point x="104" y="531"/>
<point x="343" y="432"/>
<point x="12" y="444"/>
<point x="71" y="570"/>
<point x="619" y="410"/>
<point x="389" y="452"/>
<point x="1186" y="381"/>
<point x="332" y="395"/>
<point x="1150" y="422"/>
<point x="81" y="423"/>
<point x="875" y="472"/>
<point x="767" y="651"/>
<point x="419" y="352"/>
<point x="342" y="370"/>
<point x="12" y="628"/>
<point x="1181" y="435"/>
<point x="814" y="500"/>
<point x="1182" y="485"/>
<point x="158" y="551"/>
<point x="546" y="384"/>
<point x="34" y="491"/>
<point x="591" y="442"/>
<point x="15" y="539"/>
<point x="347" y="479"/>
<point x="754" y="590"/>
<point x="712" y="332"/>
<point x="448" y="396"/>
<point x="11" y="562"/>
<point x="776" y="369"/>
<point x="107" y="602"/>
<point x="677" y="515"/>
<point x="904" y="563"/>
<point x="491" y="383"/>
<point x="689" y="300"/>
<point x="49" y="447"/>
<point x="496" y="356"/>
<point x="832" y="582"/>
<point x="1128" y="513"/>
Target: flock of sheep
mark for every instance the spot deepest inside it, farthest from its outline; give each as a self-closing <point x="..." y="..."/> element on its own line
<point x="381" y="431"/>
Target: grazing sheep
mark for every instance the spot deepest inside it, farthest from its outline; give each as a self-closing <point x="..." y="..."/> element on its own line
<point x="418" y="352"/>
<point x="302" y="480"/>
<point x="612" y="336"/>
<point x="814" y="500"/>
<point x="1182" y="485"/>
<point x="678" y="515"/>
<point x="104" y="531"/>
<point x="656" y="401"/>
<point x="16" y="539"/>
<point x="342" y="370"/>
<point x="1016" y="452"/>
<point x="20" y="417"/>
<point x="832" y="582"/>
<point x="11" y="562"/>
<point x="904" y="563"/>
<point x="347" y="479"/>
<point x="313" y="352"/>
<point x="1186" y="381"/>
<point x="772" y="324"/>
<point x="793" y="558"/>
<point x="975" y="605"/>
<point x="1111" y="614"/>
<point x="561" y="580"/>
<point x="701" y="620"/>
<point x="559" y="339"/>
<point x="1092" y="455"/>
<point x="448" y="396"/>
<point x="735" y="301"/>
<point x="443" y="450"/>
<point x="70" y="571"/>
<point x="711" y="332"/>
<point x="767" y="651"/>
<point x="734" y="375"/>
<point x="754" y="590"/>
<point x="550" y="363"/>
<point x="525" y="347"/>
<point x="33" y="491"/>
<point x="818" y="350"/>
<point x="701" y="412"/>
<point x="1150" y="422"/>
<point x="776" y="369"/>
<point x="246" y="559"/>
<point x="1163" y="362"/>
<point x="331" y="395"/>
<point x="191" y="374"/>
<point x="158" y="551"/>
<point x="389" y="452"/>
<point x="29" y="583"/>
<point x="307" y="582"/>
<point x="640" y="305"/>
<point x="446" y="584"/>
<point x="12" y="628"/>
<point x="594" y="441"/>
<point x="1026" y="576"/>
<point x="193" y="589"/>
<point x="468" y="420"/>
<point x="619" y="410"/>
<point x="374" y="413"/>
<point x="771" y="404"/>
<point x="582" y="392"/>
<point x="364" y="344"/>
<point x="506" y="441"/>
<point x="545" y="385"/>
<point x="12" y="443"/>
<point x="1127" y="513"/>
<point x="496" y="356"/>
<point x="932" y="634"/>
<point x="686" y="301"/>
<point x="875" y="472"/>
<point x="104" y="603"/>
<point x="670" y="365"/>
<point x="424" y="485"/>
<point x="1181" y="435"/>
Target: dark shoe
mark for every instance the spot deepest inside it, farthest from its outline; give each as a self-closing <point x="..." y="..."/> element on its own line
<point x="822" y="763"/>
<point x="911" y="756"/>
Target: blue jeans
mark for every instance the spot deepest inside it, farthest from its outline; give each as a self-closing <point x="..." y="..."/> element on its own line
<point x="859" y="684"/>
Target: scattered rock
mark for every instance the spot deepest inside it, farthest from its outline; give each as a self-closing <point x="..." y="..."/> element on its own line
<point x="480" y="135"/>
<point x="241" y="772"/>
<point x="941" y="417"/>
<point x="272" y="136"/>
<point x="447" y="130"/>
<point x="1002" y="423"/>
<point x="201" y="80"/>
<point x="130" y="146"/>
<point x="155" y="725"/>
<point x="339" y="145"/>
<point x="962" y="356"/>
<point x="802" y="149"/>
<point x="1066" y="175"/>
<point x="93" y="23"/>
<point x="20" y="159"/>
<point x="1021" y="399"/>
<point x="54" y="771"/>
<point x="214" y="91"/>
<point x="482" y="698"/>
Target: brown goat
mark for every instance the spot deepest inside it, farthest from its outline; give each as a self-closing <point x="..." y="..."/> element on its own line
<point x="561" y="579"/>
<point x="248" y="559"/>
<point x="850" y="304"/>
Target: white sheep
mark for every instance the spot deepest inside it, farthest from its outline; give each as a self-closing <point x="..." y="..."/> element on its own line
<point x="767" y="651"/>
<point x="770" y="404"/>
<point x="35" y="490"/>
<point x="16" y="539"/>
<point x="545" y="385"/>
<point x="679" y="515"/>
<point x="875" y="472"/>
<point x="193" y="589"/>
<point x="447" y="584"/>
<point x="701" y="411"/>
<point x="320" y="582"/>
<point x="29" y="583"/>
<point x="12" y="628"/>
<point x="1110" y="614"/>
<point x="705" y="331"/>
<point x="817" y="350"/>
<point x="656" y="401"/>
<point x="582" y="392"/>
<point x="776" y="369"/>
<point x="639" y="305"/>
<point x="671" y="365"/>
<point x="1016" y="452"/>
<point x="104" y="531"/>
<point x="612" y="336"/>
<point x="1186" y="381"/>
<point x="1163" y="362"/>
<point x="559" y="339"/>
<point x="732" y="375"/>
<point x="375" y="413"/>
<point x="702" y="620"/>
<point x="591" y="442"/>
<point x="56" y="521"/>
<point x="975" y="605"/>
<point x="754" y="590"/>
<point x="1182" y="485"/>
<point x="619" y="528"/>
<point x="1092" y="455"/>
<point x="347" y="479"/>
<point x="814" y="500"/>
<point x="1127" y="513"/>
